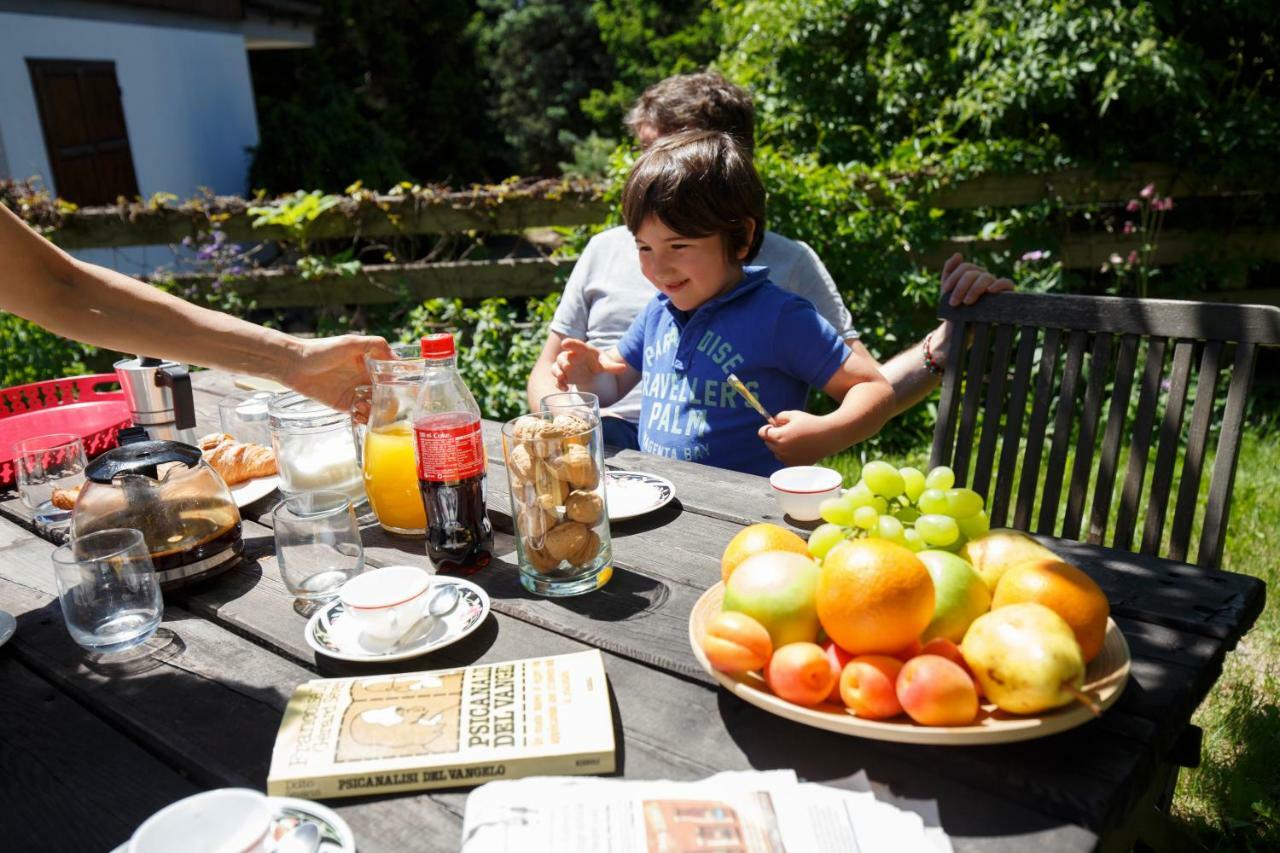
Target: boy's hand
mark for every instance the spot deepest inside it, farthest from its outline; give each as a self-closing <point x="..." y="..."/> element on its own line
<point x="579" y="361"/>
<point x="799" y="438"/>
<point x="967" y="283"/>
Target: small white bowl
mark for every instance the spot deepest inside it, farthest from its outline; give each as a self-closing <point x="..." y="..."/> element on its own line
<point x="384" y="603"/>
<point x="801" y="489"/>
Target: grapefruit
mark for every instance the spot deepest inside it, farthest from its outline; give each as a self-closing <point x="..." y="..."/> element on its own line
<point x="874" y="596"/>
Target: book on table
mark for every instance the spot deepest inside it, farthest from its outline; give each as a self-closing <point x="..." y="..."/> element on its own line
<point x="347" y="737"/>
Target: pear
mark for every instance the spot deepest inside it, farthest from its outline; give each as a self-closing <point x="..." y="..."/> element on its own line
<point x="1000" y="549"/>
<point x="1026" y="658"/>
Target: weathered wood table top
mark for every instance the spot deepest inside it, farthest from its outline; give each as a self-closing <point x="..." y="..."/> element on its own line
<point x="89" y="751"/>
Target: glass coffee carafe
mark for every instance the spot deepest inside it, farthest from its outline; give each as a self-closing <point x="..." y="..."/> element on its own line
<point x="386" y="442"/>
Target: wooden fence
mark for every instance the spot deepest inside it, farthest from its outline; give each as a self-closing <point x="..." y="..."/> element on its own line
<point x="514" y="211"/>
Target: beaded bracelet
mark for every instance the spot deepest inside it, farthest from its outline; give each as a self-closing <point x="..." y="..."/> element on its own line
<point x="930" y="363"/>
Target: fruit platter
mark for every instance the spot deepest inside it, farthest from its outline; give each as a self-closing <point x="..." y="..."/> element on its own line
<point x="905" y="618"/>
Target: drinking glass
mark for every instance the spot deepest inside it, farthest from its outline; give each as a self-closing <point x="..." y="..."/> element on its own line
<point x="317" y="543"/>
<point x="45" y="463"/>
<point x="108" y="589"/>
<point x="555" y="467"/>
<point x="243" y="416"/>
<point x="578" y="403"/>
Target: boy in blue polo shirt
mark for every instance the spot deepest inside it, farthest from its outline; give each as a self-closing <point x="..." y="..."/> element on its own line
<point x="695" y="206"/>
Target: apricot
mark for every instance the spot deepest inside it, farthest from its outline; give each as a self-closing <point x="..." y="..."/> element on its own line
<point x="838" y="658"/>
<point x="868" y="686"/>
<point x="942" y="647"/>
<point x="800" y="673"/>
<point x="736" y="643"/>
<point x="937" y="692"/>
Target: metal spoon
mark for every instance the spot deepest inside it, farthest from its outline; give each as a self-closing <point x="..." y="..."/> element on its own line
<point x="442" y="602"/>
<point x="303" y="838"/>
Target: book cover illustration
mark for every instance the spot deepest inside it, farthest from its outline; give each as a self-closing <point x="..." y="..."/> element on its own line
<point x="354" y="736"/>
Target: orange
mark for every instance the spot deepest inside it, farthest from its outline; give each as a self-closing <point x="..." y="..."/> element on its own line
<point x="1065" y="590"/>
<point x="756" y="539"/>
<point x="874" y="597"/>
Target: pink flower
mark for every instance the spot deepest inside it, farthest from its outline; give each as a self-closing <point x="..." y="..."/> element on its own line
<point x="1116" y="259"/>
<point x="1035" y="255"/>
<point x="1133" y="258"/>
<point x="1163" y="204"/>
<point x="1133" y="206"/>
<point x="1128" y="227"/>
<point x="1148" y="191"/>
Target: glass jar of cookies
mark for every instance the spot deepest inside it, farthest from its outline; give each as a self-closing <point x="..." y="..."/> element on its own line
<point x="555" y="468"/>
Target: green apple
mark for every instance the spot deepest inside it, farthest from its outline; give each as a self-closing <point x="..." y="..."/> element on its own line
<point x="777" y="590"/>
<point x="960" y="595"/>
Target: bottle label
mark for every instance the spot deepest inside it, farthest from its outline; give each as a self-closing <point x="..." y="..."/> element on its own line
<point x="449" y="448"/>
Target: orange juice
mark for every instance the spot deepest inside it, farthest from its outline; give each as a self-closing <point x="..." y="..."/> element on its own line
<point x="391" y="478"/>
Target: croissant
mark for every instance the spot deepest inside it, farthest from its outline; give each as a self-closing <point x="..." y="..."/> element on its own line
<point x="213" y="439"/>
<point x="237" y="462"/>
<point x="65" y="498"/>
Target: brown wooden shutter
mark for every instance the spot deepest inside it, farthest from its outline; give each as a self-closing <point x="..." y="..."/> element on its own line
<point x="84" y="130"/>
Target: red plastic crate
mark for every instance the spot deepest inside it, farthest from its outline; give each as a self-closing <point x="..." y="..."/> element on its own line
<point x="75" y="404"/>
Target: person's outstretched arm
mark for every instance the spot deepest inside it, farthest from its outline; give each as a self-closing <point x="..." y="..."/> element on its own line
<point x="907" y="371"/>
<point x="43" y="284"/>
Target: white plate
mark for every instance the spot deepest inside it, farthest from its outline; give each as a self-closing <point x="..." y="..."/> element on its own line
<point x="334" y="636"/>
<point x="335" y="835"/>
<point x="251" y="490"/>
<point x="632" y="493"/>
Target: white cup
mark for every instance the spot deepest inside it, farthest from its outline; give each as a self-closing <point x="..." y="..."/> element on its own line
<point x="801" y="489"/>
<point x="385" y="603"/>
<point x="227" y="820"/>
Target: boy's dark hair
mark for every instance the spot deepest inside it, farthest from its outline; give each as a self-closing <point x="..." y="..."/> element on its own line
<point x="701" y="101"/>
<point x="699" y="183"/>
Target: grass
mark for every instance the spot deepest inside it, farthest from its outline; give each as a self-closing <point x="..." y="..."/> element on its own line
<point x="1232" y="800"/>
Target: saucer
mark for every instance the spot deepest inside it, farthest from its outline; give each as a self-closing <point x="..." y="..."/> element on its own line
<point x="632" y="493"/>
<point x="335" y="835"/>
<point x="332" y="635"/>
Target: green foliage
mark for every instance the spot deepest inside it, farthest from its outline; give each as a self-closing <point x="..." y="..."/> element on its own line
<point x="648" y="40"/>
<point x="498" y="342"/>
<point x="540" y="59"/>
<point x="294" y="212"/>
<point x="390" y="91"/>
<point x="30" y="354"/>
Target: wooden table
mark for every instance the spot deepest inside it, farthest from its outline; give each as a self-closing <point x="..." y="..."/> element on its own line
<point x="90" y="751"/>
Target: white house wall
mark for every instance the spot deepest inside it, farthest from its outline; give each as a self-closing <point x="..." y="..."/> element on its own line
<point x="187" y="96"/>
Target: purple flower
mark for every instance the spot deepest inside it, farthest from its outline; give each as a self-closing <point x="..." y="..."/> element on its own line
<point x="1163" y="204"/>
<point x="1148" y="191"/>
<point x="1128" y="227"/>
<point x="1035" y="255"/>
<point x="1133" y="258"/>
<point x="1133" y="206"/>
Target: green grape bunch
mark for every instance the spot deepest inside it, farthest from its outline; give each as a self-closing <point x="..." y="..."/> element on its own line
<point x="902" y="505"/>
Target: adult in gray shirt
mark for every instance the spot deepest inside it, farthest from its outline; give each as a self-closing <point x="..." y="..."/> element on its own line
<point x="606" y="289"/>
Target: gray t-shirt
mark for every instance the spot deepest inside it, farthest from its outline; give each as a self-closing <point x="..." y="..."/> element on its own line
<point x="606" y="291"/>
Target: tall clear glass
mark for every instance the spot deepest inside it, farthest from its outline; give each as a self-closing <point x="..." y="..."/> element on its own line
<point x="108" y="590"/>
<point x="243" y="416"/>
<point x="317" y="543"/>
<point x="386" y="443"/>
<point x="555" y="468"/>
<point x="577" y="403"/>
<point x="45" y="463"/>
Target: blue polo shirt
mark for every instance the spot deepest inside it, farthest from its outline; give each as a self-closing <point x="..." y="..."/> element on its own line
<point x="774" y="341"/>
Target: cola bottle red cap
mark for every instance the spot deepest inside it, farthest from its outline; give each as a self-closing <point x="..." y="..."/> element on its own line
<point x="438" y="345"/>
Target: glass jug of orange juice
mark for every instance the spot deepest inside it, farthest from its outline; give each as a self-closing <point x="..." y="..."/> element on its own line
<point x="386" y="442"/>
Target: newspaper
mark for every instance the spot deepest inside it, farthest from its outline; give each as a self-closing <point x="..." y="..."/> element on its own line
<point x="750" y="812"/>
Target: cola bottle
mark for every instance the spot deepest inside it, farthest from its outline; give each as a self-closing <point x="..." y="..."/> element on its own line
<point x="449" y="450"/>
